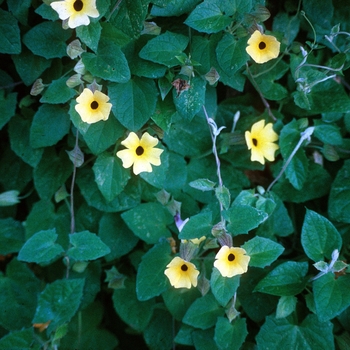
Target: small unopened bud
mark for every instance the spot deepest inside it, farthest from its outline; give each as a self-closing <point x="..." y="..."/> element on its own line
<point x="76" y="156"/>
<point x="94" y="86"/>
<point x="80" y="67"/>
<point x="74" y="49"/>
<point x="9" y="198"/>
<point x="37" y="87"/>
<point x="150" y="28"/>
<point x="212" y="77"/>
<point x="74" y="81"/>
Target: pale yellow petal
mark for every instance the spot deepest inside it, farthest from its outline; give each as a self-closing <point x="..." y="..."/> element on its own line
<point x="141" y="165"/>
<point x="127" y="157"/>
<point x="132" y="141"/>
<point x="153" y="156"/>
<point x="148" y="141"/>
<point x="63" y="9"/>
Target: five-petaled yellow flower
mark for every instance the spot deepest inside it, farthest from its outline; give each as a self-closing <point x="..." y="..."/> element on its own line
<point x="140" y="153"/>
<point x="181" y="273"/>
<point x="93" y="106"/>
<point x="78" y="11"/>
<point x="262" y="48"/>
<point x="231" y="261"/>
<point x="260" y="140"/>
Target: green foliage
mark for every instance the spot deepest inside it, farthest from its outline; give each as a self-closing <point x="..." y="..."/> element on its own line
<point x="84" y="242"/>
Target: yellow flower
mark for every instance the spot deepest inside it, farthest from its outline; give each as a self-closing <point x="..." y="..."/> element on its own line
<point x="78" y="11"/>
<point x="93" y="106"/>
<point x="260" y="140"/>
<point x="140" y="153"/>
<point x="262" y="48"/>
<point x="181" y="273"/>
<point x="231" y="261"/>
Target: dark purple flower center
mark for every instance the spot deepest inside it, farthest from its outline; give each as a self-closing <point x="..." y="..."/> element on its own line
<point x="255" y="142"/>
<point x="184" y="267"/>
<point x="139" y="150"/>
<point x="262" y="45"/>
<point x="231" y="257"/>
<point x="94" y="105"/>
<point x="78" y="5"/>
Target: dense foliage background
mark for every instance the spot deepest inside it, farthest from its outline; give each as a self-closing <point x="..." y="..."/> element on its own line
<point x="84" y="242"/>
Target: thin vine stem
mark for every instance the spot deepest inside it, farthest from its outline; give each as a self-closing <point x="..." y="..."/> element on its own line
<point x="72" y="214"/>
<point x="304" y="136"/>
<point x="263" y="99"/>
<point x="217" y="160"/>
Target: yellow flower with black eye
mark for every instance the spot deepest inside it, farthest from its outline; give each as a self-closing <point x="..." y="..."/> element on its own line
<point x="76" y="11"/>
<point x="262" y="48"/>
<point x="140" y="153"/>
<point x="93" y="106"/>
<point x="231" y="261"/>
<point x="181" y="273"/>
<point x="260" y="140"/>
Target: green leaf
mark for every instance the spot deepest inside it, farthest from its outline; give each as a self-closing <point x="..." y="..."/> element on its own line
<point x="199" y="225"/>
<point x="231" y="53"/>
<point x="203" y="313"/>
<point x="86" y="246"/>
<point x="286" y="305"/>
<point x="29" y="66"/>
<point x="278" y="223"/>
<point x="41" y="248"/>
<point x="151" y="281"/>
<point x="120" y="241"/>
<point x="129" y="198"/>
<point x="90" y="35"/>
<point x="10" y="40"/>
<point x="159" y="332"/>
<point x="11" y="236"/>
<point x="243" y="218"/>
<point x="130" y="17"/>
<point x="203" y="184"/>
<point x="256" y="305"/>
<point x="297" y="170"/>
<point x="8" y="107"/>
<point x="59" y="302"/>
<point x="19" y="340"/>
<point x="133" y="102"/>
<point x="286" y="279"/>
<point x="328" y="133"/>
<point x="57" y="92"/>
<point x="326" y="97"/>
<point x="190" y="101"/>
<point x="110" y="176"/>
<point x="164" y="48"/>
<point x="133" y="312"/>
<point x="47" y="39"/>
<point x="109" y="63"/>
<point x="51" y="173"/>
<point x="18" y="298"/>
<point x="230" y="336"/>
<point x="331" y="295"/>
<point x="311" y="189"/>
<point x="148" y="221"/>
<point x="262" y="251"/>
<point x="19" y="132"/>
<point x="223" y="195"/>
<point x="319" y="237"/>
<point x="177" y="302"/>
<point x="50" y="125"/>
<point x="223" y="288"/>
<point x="208" y="17"/>
<point x="174" y="8"/>
<point x="311" y="334"/>
<point x="339" y="197"/>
